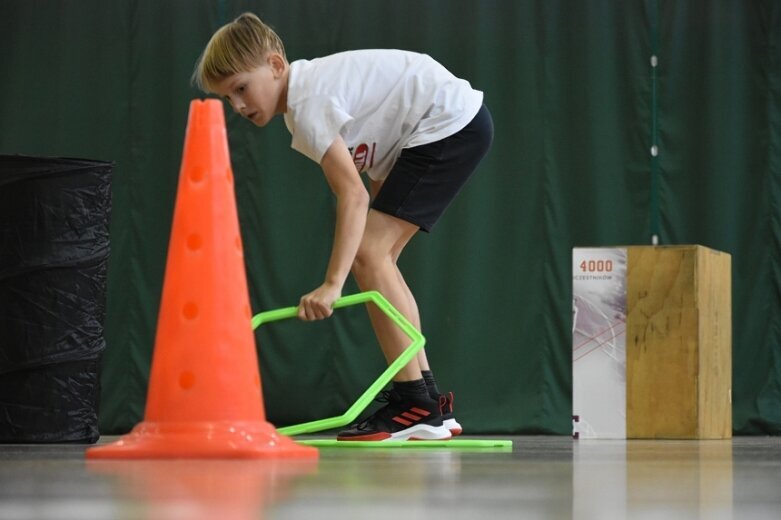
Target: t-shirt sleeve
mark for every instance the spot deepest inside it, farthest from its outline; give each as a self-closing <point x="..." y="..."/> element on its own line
<point x="316" y="123"/>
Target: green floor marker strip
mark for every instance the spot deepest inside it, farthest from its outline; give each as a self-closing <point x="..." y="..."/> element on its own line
<point x="366" y="398"/>
<point x="458" y="444"/>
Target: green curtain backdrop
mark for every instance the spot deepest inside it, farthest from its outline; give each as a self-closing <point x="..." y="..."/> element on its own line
<point x="577" y="106"/>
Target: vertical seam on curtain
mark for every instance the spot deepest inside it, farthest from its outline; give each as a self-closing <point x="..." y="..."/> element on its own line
<point x="554" y="374"/>
<point x="774" y="174"/>
<point x="653" y="19"/>
<point x="132" y="343"/>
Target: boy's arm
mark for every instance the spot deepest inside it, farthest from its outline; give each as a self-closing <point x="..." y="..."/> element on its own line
<point x="352" y="205"/>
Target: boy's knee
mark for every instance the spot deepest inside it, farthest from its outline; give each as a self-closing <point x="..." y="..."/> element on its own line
<point x="366" y="261"/>
<point x="361" y="262"/>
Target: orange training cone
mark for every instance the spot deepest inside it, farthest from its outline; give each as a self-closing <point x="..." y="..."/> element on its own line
<point x="205" y="398"/>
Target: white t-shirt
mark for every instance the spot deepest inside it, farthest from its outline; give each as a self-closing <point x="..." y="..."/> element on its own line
<point x="379" y="101"/>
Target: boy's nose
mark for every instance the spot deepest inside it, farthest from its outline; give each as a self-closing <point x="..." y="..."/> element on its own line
<point x="237" y="105"/>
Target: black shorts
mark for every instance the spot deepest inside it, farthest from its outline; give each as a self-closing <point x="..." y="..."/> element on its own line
<point x="426" y="179"/>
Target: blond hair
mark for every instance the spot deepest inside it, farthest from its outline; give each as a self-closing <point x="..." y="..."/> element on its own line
<point x="239" y="46"/>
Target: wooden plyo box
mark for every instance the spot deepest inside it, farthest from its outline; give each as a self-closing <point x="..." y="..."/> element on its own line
<point x="678" y="343"/>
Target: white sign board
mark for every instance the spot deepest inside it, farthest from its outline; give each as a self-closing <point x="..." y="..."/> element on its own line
<point x="599" y="343"/>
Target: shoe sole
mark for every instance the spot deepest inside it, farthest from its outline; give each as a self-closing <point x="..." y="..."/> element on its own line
<point x="419" y="432"/>
<point x="453" y="426"/>
<point x="423" y="432"/>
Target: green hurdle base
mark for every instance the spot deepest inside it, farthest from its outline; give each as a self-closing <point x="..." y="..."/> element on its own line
<point x="460" y="444"/>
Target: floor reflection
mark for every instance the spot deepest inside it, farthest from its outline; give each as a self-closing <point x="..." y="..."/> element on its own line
<point x="544" y="477"/>
<point x="639" y="478"/>
<point x="202" y="489"/>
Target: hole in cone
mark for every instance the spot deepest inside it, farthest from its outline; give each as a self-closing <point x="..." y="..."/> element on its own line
<point x="187" y="380"/>
<point x="197" y="174"/>
<point x="190" y="310"/>
<point x="229" y="175"/>
<point x="238" y="244"/>
<point x="194" y="242"/>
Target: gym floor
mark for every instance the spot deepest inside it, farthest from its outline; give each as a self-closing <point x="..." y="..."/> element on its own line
<point x="542" y="477"/>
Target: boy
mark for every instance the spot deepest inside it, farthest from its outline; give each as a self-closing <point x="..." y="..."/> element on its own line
<point x="416" y="130"/>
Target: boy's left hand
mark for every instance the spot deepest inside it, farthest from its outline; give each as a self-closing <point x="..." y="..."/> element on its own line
<point x="318" y="304"/>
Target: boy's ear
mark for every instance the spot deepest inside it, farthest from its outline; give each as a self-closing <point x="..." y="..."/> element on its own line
<point x="277" y="62"/>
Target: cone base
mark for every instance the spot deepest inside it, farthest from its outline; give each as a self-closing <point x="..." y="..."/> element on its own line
<point x="202" y="440"/>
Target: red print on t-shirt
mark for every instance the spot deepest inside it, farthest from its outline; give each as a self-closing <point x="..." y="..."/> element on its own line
<point x="362" y="158"/>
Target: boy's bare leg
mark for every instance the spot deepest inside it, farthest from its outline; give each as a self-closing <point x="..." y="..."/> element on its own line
<point x="413" y="317"/>
<point x="375" y="269"/>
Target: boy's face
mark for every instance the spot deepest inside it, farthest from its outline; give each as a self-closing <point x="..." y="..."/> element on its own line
<point x="259" y="94"/>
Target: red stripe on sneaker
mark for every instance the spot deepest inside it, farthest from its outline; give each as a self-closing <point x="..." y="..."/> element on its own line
<point x="422" y="413"/>
<point x="401" y="420"/>
<point x="411" y="416"/>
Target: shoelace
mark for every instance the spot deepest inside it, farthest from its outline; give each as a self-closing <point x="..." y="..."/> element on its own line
<point x="382" y="397"/>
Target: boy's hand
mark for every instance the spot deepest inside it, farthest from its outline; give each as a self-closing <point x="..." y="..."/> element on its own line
<point x="318" y="304"/>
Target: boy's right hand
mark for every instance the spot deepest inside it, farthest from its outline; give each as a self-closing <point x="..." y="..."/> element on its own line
<point x="318" y="304"/>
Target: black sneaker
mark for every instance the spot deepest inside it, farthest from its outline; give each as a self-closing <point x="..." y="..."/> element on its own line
<point x="399" y="420"/>
<point x="446" y="410"/>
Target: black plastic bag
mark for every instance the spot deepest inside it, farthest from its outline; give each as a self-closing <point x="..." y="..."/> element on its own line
<point x="54" y="247"/>
<point x="52" y="403"/>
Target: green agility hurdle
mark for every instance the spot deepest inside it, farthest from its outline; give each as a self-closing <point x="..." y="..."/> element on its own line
<point x="365" y="399"/>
